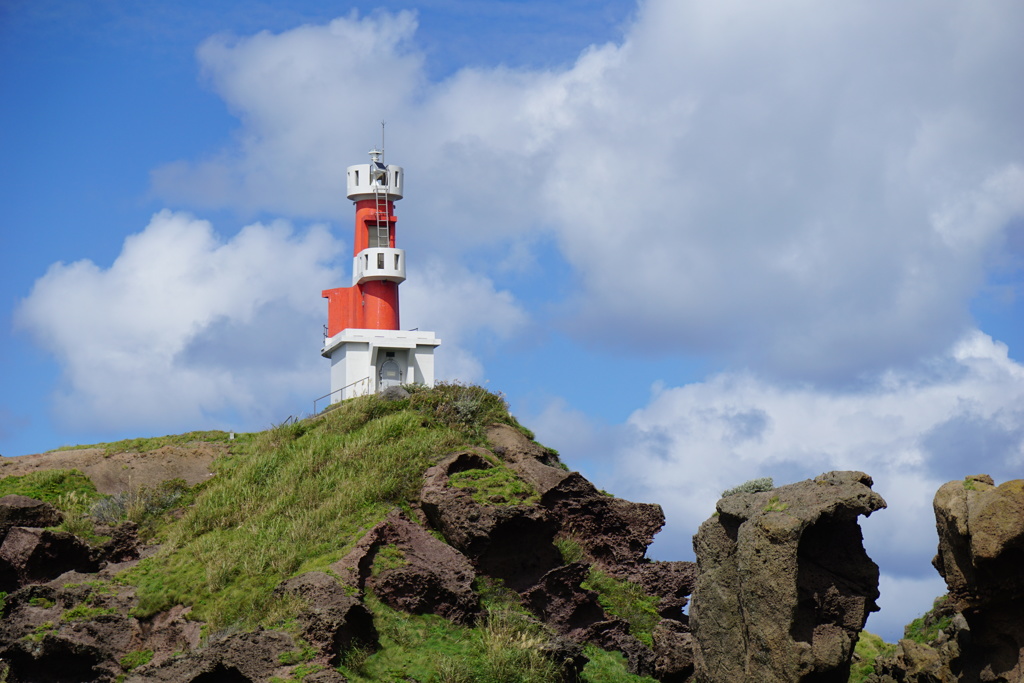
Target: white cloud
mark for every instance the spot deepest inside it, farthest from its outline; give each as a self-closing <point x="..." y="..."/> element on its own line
<point x="186" y="329"/>
<point x="810" y="190"/>
<point x="911" y="430"/>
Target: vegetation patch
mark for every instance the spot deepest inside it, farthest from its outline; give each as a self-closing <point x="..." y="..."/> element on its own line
<point x="49" y="485"/>
<point x="926" y="628"/>
<point x="85" y="612"/>
<point x="506" y="647"/>
<point x="868" y="649"/>
<point x="627" y="601"/>
<point x="774" y="505"/>
<point x="571" y="550"/>
<point x="388" y="557"/>
<point x="752" y="486"/>
<point x="495" y="486"/>
<point x="134" y="660"/>
<point x="40" y="632"/>
<point x="146" y="445"/>
<point x="609" y="667"/>
<point x="305" y="653"/>
<point x="147" y="506"/>
<point x="295" y="498"/>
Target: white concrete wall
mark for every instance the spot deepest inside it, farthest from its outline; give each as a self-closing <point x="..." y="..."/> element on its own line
<point x="356" y="356"/>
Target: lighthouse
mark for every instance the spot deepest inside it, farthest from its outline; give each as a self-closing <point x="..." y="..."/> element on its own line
<point x="368" y="350"/>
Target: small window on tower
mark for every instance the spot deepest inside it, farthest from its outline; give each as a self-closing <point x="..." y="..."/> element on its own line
<point x="378" y="235"/>
<point x="357" y="177"/>
<point x="380" y="261"/>
<point x="396" y="261"/>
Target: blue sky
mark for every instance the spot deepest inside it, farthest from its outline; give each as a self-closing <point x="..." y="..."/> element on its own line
<point x="693" y="243"/>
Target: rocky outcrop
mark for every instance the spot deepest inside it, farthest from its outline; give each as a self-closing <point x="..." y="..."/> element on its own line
<point x="561" y="603"/>
<point x="614" y="532"/>
<point x="981" y="555"/>
<point x="416" y="572"/>
<point x="331" y="620"/>
<point x="784" y="585"/>
<point x="673" y="652"/>
<point x="30" y="555"/>
<point x="239" y="658"/>
<point x="514" y="543"/>
<point x="24" y="511"/>
<point x="79" y="631"/>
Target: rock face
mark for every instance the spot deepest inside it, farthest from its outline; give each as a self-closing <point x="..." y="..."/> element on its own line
<point x="503" y="526"/>
<point x="981" y="557"/>
<point x="331" y="620"/>
<point x="784" y="585"/>
<point x="417" y="573"/>
<point x="514" y="543"/>
<point x="30" y="555"/>
<point x="24" y="511"/>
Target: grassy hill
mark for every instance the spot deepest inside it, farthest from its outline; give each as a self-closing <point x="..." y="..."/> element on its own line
<point x="297" y="498"/>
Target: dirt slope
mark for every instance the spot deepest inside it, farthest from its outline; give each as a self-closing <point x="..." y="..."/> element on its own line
<point x="120" y="471"/>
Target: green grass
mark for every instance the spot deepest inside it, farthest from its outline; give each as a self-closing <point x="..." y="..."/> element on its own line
<point x="869" y="647"/>
<point x="388" y="557"/>
<point x="926" y="628"/>
<point x="627" y="601"/>
<point x="496" y="486"/>
<point x="298" y="496"/>
<point x="145" y="445"/>
<point x="608" y="667"/>
<point x="135" y="659"/>
<point x="49" y="485"/>
<point x="506" y="646"/>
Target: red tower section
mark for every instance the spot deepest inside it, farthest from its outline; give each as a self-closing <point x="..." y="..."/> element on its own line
<point x="378" y="266"/>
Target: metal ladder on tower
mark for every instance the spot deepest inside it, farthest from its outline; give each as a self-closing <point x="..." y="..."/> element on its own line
<point x="383" y="226"/>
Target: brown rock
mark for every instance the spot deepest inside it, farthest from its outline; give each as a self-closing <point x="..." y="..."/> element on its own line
<point x="332" y="621"/>
<point x="239" y="658"/>
<point x="784" y="585"/>
<point x="559" y="600"/>
<point x="514" y="543"/>
<point x="614" y="532"/>
<point x="432" y="577"/>
<point x="38" y="555"/>
<point x="673" y="652"/>
<point x="124" y="544"/>
<point x="980" y="555"/>
<point x="671" y="583"/>
<point x="24" y="511"/>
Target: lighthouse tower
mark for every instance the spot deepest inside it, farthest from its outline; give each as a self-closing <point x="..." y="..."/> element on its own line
<point x="368" y="350"/>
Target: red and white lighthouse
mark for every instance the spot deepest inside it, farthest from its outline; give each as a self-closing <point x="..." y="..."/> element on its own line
<point x="367" y="348"/>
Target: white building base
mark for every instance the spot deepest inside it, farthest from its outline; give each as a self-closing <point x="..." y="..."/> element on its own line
<point x="367" y="361"/>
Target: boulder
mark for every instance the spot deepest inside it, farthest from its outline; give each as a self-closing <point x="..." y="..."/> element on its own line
<point x="30" y="555"/>
<point x="239" y="658"/>
<point x="980" y="555"/>
<point x="124" y="544"/>
<point x="561" y="603"/>
<point x="43" y="639"/>
<point x="673" y="652"/>
<point x="420" y="574"/>
<point x="514" y="543"/>
<point x="783" y="584"/>
<point x="332" y="621"/>
<point x="670" y="582"/>
<point x="24" y="511"/>
<point x="614" y="532"/>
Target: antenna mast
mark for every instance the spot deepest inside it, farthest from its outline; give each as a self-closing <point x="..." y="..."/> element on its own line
<point x="382" y="141"/>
